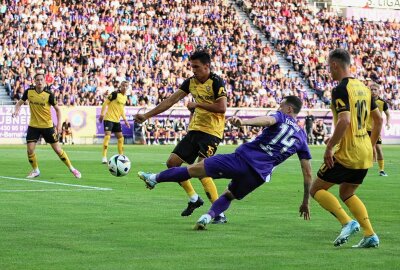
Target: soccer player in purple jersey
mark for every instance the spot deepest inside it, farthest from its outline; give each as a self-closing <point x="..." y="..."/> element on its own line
<point x="252" y="163"/>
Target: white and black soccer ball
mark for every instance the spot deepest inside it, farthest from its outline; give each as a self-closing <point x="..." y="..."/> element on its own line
<point x="119" y="165"/>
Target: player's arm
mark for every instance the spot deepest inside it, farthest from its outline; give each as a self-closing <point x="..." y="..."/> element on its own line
<point x="58" y="115"/>
<point x="387" y="119"/>
<point x="124" y="118"/>
<point x="259" y="121"/>
<point x="307" y="176"/>
<point x="340" y="129"/>
<point x="17" y="107"/>
<point x="219" y="106"/>
<point x="376" y="129"/>
<point x="162" y="107"/>
<point x="386" y="111"/>
<point x="103" y="109"/>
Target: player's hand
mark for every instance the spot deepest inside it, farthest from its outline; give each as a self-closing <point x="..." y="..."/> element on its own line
<point x="236" y="121"/>
<point x="139" y="118"/>
<point x="15" y="114"/>
<point x="191" y="106"/>
<point x="101" y="118"/>
<point x="328" y="158"/>
<point x="59" y="130"/>
<point x="387" y="126"/>
<point x="305" y="211"/>
<point x="127" y="124"/>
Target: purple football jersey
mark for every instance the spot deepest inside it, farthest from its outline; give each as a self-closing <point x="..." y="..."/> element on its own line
<point x="276" y="143"/>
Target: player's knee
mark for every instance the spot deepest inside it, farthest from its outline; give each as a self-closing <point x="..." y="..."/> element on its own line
<point x="313" y="190"/>
<point x="228" y="195"/>
<point x="345" y="196"/>
<point x="171" y="163"/>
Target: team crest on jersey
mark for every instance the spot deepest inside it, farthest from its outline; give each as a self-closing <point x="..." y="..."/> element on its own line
<point x="340" y="104"/>
<point x="208" y="88"/>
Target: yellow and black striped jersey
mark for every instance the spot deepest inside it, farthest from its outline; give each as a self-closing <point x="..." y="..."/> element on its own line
<point x="354" y="150"/>
<point x="382" y="106"/>
<point x="40" y="104"/>
<point x="116" y="107"/>
<point x="207" y="92"/>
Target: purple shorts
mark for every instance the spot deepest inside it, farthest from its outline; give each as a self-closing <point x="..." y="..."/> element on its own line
<point x="232" y="166"/>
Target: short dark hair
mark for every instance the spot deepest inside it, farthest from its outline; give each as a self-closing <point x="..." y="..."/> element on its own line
<point x="38" y="74"/>
<point x="295" y="102"/>
<point x="342" y="55"/>
<point x="202" y="55"/>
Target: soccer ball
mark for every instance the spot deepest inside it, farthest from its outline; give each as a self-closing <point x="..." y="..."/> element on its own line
<point x="119" y="165"/>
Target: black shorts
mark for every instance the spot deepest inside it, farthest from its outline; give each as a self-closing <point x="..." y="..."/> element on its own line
<point x="112" y="126"/>
<point x="196" y="144"/>
<point x="49" y="134"/>
<point x="379" y="141"/>
<point x="340" y="174"/>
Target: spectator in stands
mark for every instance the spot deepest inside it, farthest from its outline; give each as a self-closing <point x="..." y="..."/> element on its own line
<point x="181" y="128"/>
<point x="309" y="125"/>
<point x="66" y="131"/>
<point x="319" y="132"/>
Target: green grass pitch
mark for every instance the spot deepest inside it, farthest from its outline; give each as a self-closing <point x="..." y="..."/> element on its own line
<point x="81" y="226"/>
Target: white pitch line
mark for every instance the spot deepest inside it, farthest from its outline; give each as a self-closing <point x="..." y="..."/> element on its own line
<point x="54" y="183"/>
<point x="46" y="190"/>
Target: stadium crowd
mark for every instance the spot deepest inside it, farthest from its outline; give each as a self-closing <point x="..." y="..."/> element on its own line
<point x="305" y="38"/>
<point x="86" y="48"/>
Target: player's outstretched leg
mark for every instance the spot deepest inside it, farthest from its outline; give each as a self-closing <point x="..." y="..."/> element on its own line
<point x="149" y="179"/>
<point x="202" y="222"/>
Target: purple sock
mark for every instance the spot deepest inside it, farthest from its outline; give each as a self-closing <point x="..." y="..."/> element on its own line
<point x="219" y="206"/>
<point x="175" y="174"/>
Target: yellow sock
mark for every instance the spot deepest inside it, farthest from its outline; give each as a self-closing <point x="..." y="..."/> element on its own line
<point x="64" y="158"/>
<point x="121" y="146"/>
<point x="331" y="204"/>
<point x="187" y="186"/>
<point x="210" y="188"/>
<point x="381" y="164"/>
<point x="357" y="208"/>
<point x="33" y="161"/>
<point x="105" y="144"/>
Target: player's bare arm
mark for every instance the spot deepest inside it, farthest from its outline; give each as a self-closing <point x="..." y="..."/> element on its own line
<point x="307" y="176"/>
<point x="17" y="107"/>
<point x="263" y="121"/>
<point x="342" y="124"/>
<point x="58" y="114"/>
<point x="376" y="129"/>
<point x="103" y="110"/>
<point x="162" y="107"/>
<point x="387" y="119"/>
<point x="219" y="106"/>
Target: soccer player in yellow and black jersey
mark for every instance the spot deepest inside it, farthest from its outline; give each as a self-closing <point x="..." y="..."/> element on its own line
<point x="352" y="105"/>
<point x="115" y="107"/>
<point x="206" y="126"/>
<point x="40" y="101"/>
<point x="383" y="107"/>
